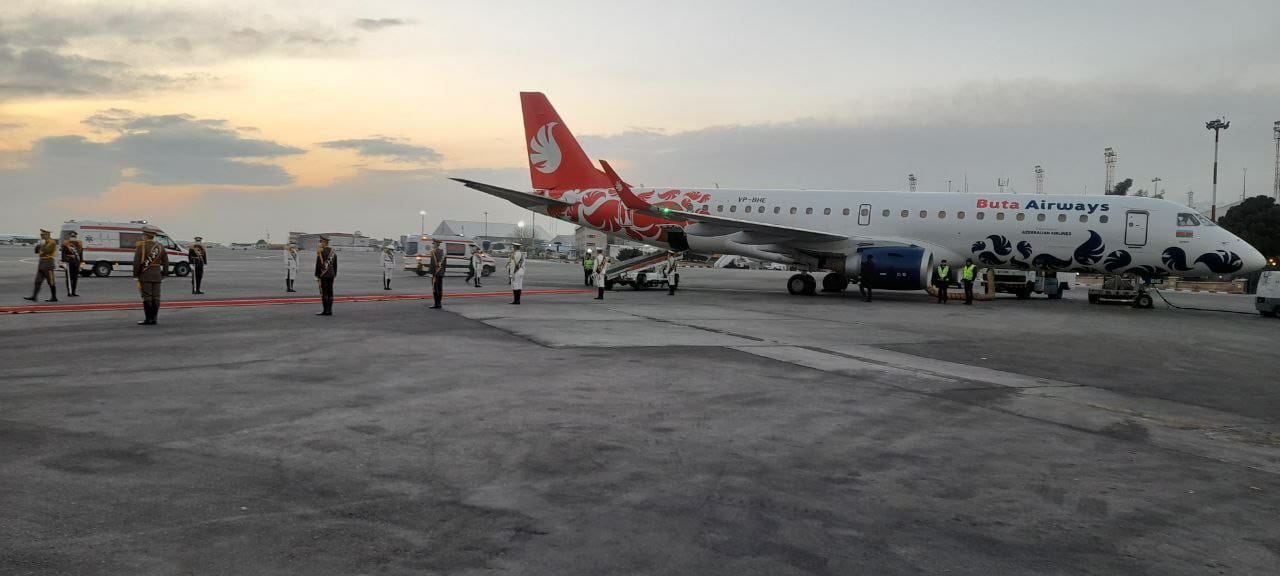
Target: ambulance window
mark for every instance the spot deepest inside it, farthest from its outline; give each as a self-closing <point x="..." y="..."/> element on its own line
<point x="846" y="211"/>
<point x="793" y="209"/>
<point x="1023" y="216"/>
<point x="885" y="213"/>
<point x="999" y="215"/>
<point x="1103" y="219"/>
<point x="129" y="239"/>
<point x="1062" y="217"/>
<point x="1185" y="219"/>
<point x="1207" y="221"/>
<point x="808" y="210"/>
<point x="455" y="249"/>
<point x="733" y="208"/>
<point x="777" y="209"/>
<point x="924" y="213"/>
<point x="826" y="211"/>
<point x="1084" y="217"/>
<point x="905" y="213"/>
<point x="942" y="214"/>
<point x="960" y="215"/>
<point x="981" y="215"/>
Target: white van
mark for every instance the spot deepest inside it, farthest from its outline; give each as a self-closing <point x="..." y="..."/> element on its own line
<point x="110" y="245"/>
<point x="457" y="255"/>
<point x="1267" y="300"/>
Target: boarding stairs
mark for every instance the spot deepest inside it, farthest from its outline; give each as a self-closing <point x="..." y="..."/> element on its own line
<point x="638" y="263"/>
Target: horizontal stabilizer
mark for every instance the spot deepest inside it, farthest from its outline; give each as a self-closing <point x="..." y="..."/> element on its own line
<point x="522" y="199"/>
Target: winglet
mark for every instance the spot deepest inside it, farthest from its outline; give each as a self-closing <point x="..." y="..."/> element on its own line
<point x="629" y="198"/>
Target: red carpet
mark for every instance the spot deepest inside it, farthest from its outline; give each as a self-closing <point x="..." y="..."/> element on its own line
<point x="169" y="305"/>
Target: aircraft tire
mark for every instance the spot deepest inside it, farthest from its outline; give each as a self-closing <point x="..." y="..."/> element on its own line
<point x="796" y="284"/>
<point x="835" y="282"/>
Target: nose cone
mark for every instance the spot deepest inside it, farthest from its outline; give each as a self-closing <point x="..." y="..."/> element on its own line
<point x="1252" y="258"/>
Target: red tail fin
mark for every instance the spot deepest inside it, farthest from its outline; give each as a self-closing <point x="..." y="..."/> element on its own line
<point x="556" y="161"/>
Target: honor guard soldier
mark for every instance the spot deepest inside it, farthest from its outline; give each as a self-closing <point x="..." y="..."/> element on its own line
<point x="672" y="271"/>
<point x="47" y="250"/>
<point x="515" y="268"/>
<point x="588" y="268"/>
<point x="198" y="257"/>
<point x="437" y="264"/>
<point x="866" y="277"/>
<point x="477" y="265"/>
<point x="326" y="271"/>
<point x="72" y="257"/>
<point x="290" y="267"/>
<point x="388" y="266"/>
<point x="150" y="260"/>
<point x="967" y="274"/>
<point x="598" y="276"/>
<point x="941" y="278"/>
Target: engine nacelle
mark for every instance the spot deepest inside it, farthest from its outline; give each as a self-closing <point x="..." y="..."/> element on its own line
<point x="897" y="267"/>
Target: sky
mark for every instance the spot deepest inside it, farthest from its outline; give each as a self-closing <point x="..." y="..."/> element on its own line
<point x="233" y="120"/>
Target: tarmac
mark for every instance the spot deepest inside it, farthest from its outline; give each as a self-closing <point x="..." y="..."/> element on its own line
<point x="729" y="429"/>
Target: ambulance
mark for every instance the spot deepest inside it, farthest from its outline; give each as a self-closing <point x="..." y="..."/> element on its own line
<point x="110" y="245"/>
<point x="457" y="251"/>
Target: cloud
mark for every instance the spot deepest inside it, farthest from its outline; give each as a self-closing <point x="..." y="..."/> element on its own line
<point x="375" y="24"/>
<point x="393" y="149"/>
<point x="167" y="150"/>
<point x="41" y="72"/>
<point x="11" y="125"/>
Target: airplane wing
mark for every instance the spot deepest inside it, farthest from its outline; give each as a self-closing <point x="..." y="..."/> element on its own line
<point x="708" y="225"/>
<point x="521" y="199"/>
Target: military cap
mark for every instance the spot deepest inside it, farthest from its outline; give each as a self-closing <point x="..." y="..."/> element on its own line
<point x="324" y="238"/>
<point x="199" y="239"/>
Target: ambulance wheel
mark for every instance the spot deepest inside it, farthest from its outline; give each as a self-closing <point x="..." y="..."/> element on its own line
<point x="835" y="282"/>
<point x="181" y="269"/>
<point x="1143" y="301"/>
<point x="486" y="271"/>
<point x="102" y="269"/>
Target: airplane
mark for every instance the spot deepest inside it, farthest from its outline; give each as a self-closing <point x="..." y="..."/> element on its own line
<point x="838" y="230"/>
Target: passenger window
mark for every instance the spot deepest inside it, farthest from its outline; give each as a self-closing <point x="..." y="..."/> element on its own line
<point x="1103" y="219"/>
<point x="720" y="208"/>
<point x="808" y="210"/>
<point x="733" y="208"/>
<point x="746" y="208"/>
<point x="1023" y="216"/>
<point x="980" y="215"/>
<point x="846" y="212"/>
<point x="942" y="214"/>
<point x="1040" y="217"/>
<point x="1185" y="219"/>
<point x="960" y="215"/>
<point x="777" y="209"/>
<point x="924" y="213"/>
<point x="826" y="211"/>
<point x="905" y="214"/>
<point x="793" y="209"/>
<point x="1084" y="217"/>
<point x="704" y="207"/>
<point x="1062" y="217"/>
<point x="885" y="214"/>
<point x="863" y="212"/>
<point x="999" y="215"/>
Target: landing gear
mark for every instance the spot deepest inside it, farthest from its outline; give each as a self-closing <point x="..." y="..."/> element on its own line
<point x="835" y="282"/>
<point x="802" y="285"/>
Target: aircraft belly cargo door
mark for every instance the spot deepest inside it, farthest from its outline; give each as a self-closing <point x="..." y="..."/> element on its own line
<point x="864" y="214"/>
<point x="1135" y="231"/>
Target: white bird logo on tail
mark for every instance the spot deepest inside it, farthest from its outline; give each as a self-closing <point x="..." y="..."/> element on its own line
<point x="546" y="153"/>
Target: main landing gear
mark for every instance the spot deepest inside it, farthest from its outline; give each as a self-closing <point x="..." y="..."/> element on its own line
<point x="803" y="284"/>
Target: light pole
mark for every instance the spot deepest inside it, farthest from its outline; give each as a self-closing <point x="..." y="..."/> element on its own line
<point x="1217" y="125"/>
<point x="1155" y="186"/>
<point x="486" y="224"/>
<point x="423" y="214"/>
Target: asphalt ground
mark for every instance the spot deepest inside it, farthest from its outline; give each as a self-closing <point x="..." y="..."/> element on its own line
<point x="729" y="429"/>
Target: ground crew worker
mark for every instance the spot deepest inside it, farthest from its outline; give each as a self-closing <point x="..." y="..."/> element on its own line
<point x="73" y="257"/>
<point x="598" y="276"/>
<point x="47" y="249"/>
<point x="671" y="272"/>
<point x="515" y="268"/>
<point x="290" y="267"/>
<point x="477" y="265"/>
<point x="942" y="277"/>
<point x="967" y="274"/>
<point x="588" y="267"/>
<point x="198" y="257"/>
<point x="388" y="266"/>
<point x="326" y="272"/>
<point x="150" y="260"/>
<point x="437" y="273"/>
<point x="866" y="277"/>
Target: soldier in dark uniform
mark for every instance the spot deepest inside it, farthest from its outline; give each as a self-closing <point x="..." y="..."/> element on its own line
<point x="326" y="271"/>
<point x="198" y="257"/>
<point x="150" y="260"/>
<point x="73" y="257"/>
<point x="437" y="273"/>
<point x="47" y="249"/>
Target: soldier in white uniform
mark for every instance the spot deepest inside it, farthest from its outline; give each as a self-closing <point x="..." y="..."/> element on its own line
<point x="598" y="276"/>
<point x="672" y="272"/>
<point x="515" y="268"/>
<point x="388" y="266"/>
<point x="477" y="266"/>
<point x="290" y="267"/>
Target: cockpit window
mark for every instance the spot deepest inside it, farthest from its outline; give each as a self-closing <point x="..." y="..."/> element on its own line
<point x="1186" y="219"/>
<point x="1206" y="221"/>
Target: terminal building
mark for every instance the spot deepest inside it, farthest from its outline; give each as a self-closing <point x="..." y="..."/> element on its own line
<point x="340" y="241"/>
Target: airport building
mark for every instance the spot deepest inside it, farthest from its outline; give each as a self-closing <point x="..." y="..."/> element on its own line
<point x="337" y="240"/>
<point x="491" y="235"/>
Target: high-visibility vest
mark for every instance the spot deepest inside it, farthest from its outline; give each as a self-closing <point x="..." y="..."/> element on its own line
<point x="944" y="272"/>
<point x="969" y="271"/>
<point x="588" y="263"/>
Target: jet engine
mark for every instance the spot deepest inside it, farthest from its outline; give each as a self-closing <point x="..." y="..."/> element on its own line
<point x="896" y="268"/>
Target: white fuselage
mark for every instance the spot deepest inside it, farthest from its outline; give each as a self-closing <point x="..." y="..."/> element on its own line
<point x="1149" y="236"/>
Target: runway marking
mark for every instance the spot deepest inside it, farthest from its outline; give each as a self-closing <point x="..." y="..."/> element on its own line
<point x="111" y="306"/>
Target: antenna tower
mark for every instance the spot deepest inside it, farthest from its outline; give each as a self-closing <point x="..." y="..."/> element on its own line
<point x="1191" y="198"/>
<point x="1109" y="156"/>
